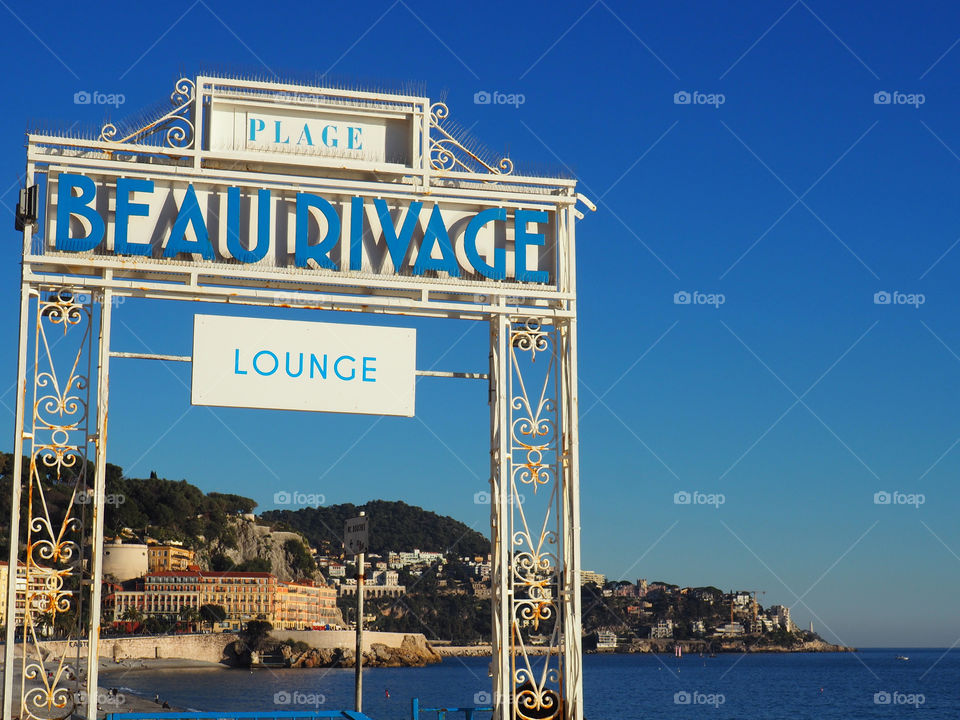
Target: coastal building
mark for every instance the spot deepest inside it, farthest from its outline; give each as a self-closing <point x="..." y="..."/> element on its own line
<point x="244" y="596"/>
<point x="765" y="623"/>
<point x="381" y="584"/>
<point x="641" y="587"/>
<point x="588" y="576"/>
<point x="304" y="606"/>
<point x="780" y="614"/>
<point x="663" y="629"/>
<point x="697" y="627"/>
<point x="37" y="585"/>
<point x="733" y="629"/>
<point x="481" y="589"/>
<point x="606" y="640"/>
<point x="170" y="557"/>
<point x="125" y="561"/>
<point x="400" y="560"/>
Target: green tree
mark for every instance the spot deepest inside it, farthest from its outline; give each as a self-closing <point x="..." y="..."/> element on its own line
<point x="212" y="614"/>
<point x="299" y="558"/>
<point x="256" y="634"/>
<point x="189" y="616"/>
<point x="254" y="565"/>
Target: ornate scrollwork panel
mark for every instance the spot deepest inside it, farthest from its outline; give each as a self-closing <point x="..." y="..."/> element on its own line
<point x="56" y="495"/>
<point x="174" y="129"/>
<point x="451" y="153"/>
<point x="535" y="556"/>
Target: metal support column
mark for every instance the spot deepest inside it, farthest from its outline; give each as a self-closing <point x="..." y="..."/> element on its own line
<point x="15" y="495"/>
<point x="499" y="521"/>
<point x="99" y="492"/>
<point x="570" y="523"/>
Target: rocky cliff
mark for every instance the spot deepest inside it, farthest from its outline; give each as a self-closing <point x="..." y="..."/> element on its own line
<point x="259" y="541"/>
<point x="414" y="651"/>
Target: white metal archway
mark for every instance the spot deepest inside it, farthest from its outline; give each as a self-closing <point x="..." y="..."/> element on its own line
<point x="218" y="135"/>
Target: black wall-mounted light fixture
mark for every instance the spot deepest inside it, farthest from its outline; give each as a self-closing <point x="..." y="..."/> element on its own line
<point x="27" y="208"/>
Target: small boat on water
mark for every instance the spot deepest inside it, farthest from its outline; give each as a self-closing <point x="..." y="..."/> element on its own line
<point x="902" y="657"/>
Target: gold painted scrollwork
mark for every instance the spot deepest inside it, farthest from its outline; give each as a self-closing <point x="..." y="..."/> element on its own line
<point x="448" y="152"/>
<point x="535" y="558"/>
<point x="52" y="560"/>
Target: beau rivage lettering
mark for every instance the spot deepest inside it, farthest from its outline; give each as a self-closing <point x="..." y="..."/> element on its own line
<point x="77" y="196"/>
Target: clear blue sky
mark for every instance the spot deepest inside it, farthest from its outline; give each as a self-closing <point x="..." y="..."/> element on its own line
<point x="798" y="198"/>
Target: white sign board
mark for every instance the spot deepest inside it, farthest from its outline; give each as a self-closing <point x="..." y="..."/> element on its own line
<point x="296" y="365"/>
<point x="356" y="535"/>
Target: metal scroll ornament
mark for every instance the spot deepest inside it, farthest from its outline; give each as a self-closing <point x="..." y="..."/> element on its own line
<point x="175" y="129"/>
<point x="449" y="153"/>
<point x="535" y="558"/>
<point x="56" y="493"/>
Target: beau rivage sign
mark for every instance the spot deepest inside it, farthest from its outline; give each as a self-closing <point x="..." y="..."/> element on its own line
<point x="315" y="183"/>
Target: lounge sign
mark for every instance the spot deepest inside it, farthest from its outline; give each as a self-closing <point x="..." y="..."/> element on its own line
<point x="174" y="220"/>
<point x="297" y="365"/>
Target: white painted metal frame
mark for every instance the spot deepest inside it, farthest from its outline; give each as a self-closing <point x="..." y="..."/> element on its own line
<point x="535" y="545"/>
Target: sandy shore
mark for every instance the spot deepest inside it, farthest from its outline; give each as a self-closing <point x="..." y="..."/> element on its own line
<point x="111" y="676"/>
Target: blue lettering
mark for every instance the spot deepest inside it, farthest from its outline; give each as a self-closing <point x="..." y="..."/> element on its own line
<point x="321" y="369"/>
<point x="354" y="138"/>
<point x="276" y="362"/>
<point x="523" y="239"/>
<point x="305" y="133"/>
<point x="319" y="252"/>
<point x="234" y="246"/>
<point x="325" y="136"/>
<point x="69" y="204"/>
<point x="276" y="134"/>
<point x="356" y="233"/>
<point x="256" y="125"/>
<point x="125" y="208"/>
<point x="436" y="232"/>
<point x="398" y="243"/>
<point x="369" y="369"/>
<point x="189" y="214"/>
<point x="236" y="363"/>
<point x="299" y="369"/>
<point x="336" y="367"/>
<point x="498" y="271"/>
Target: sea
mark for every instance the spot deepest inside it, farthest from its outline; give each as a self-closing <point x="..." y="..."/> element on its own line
<point x="871" y="683"/>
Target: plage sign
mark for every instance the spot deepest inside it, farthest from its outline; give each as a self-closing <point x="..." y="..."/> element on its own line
<point x="297" y="365"/>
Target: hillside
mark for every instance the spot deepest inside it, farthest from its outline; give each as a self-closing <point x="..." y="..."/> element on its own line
<point x="394" y="526"/>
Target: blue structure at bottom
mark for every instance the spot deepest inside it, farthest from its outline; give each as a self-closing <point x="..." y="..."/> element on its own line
<point x="318" y="714"/>
<point x="469" y="713"/>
